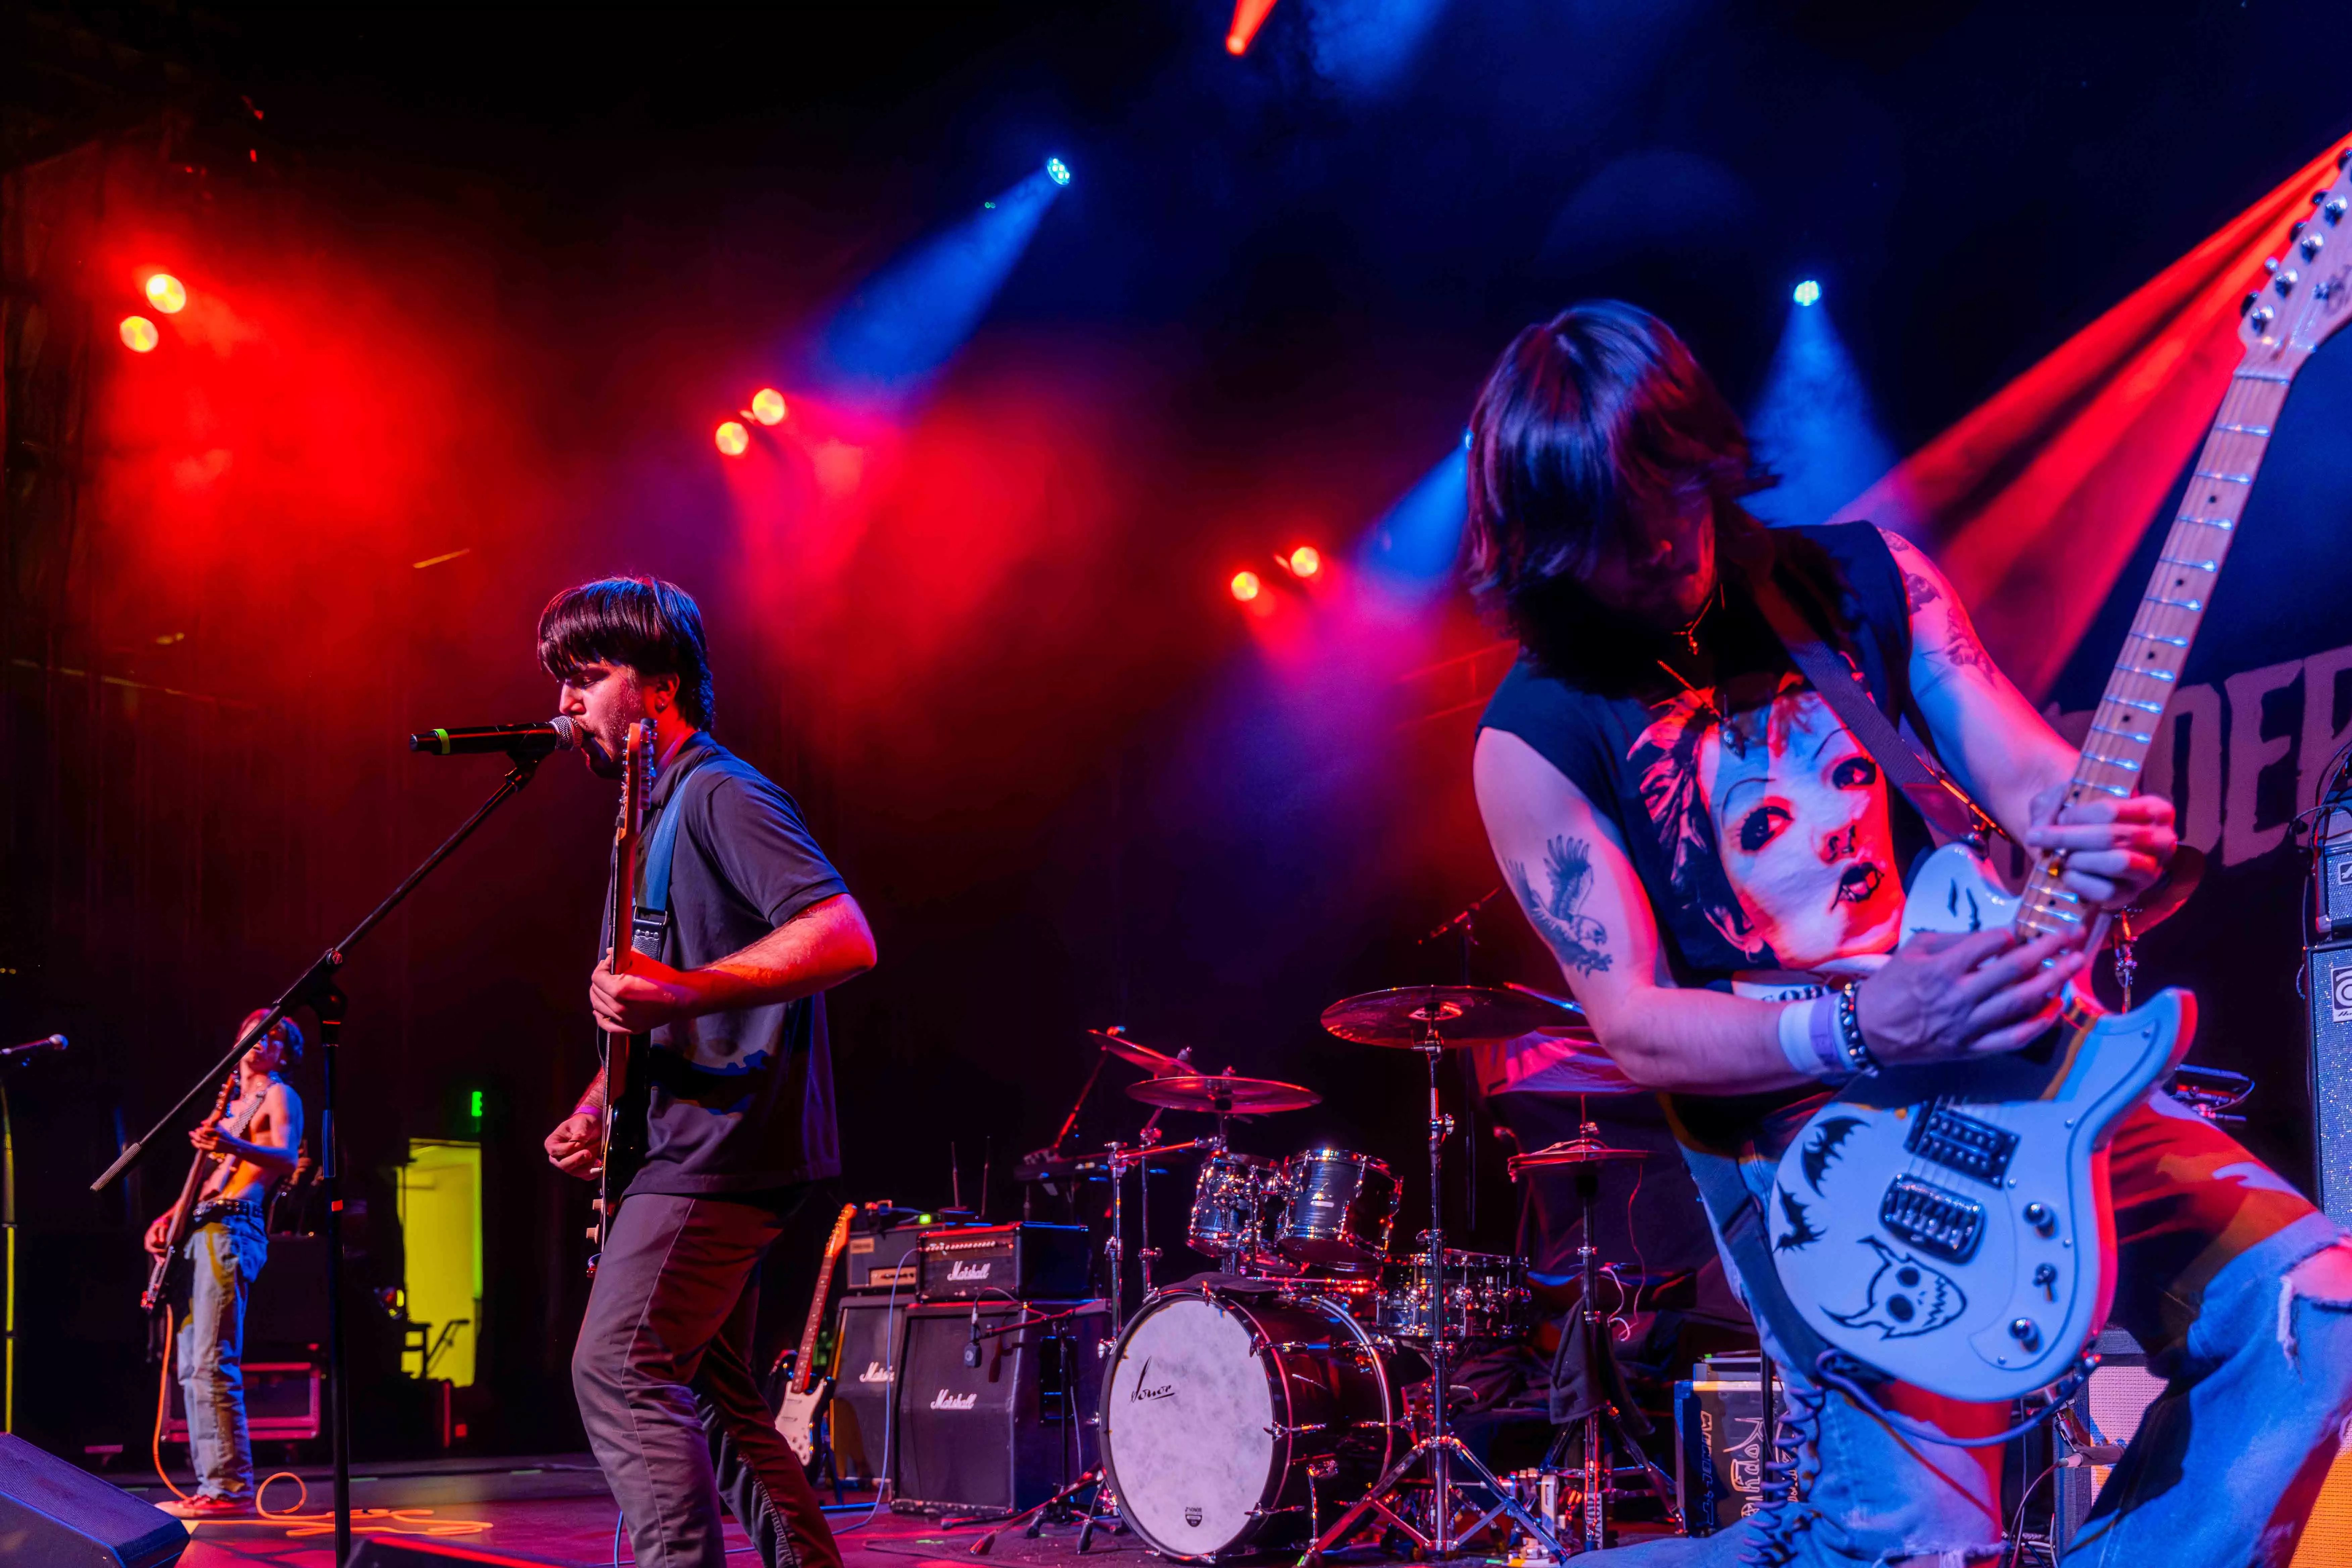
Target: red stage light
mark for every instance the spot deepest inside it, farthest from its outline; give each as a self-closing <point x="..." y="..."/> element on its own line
<point x="1248" y="16"/>
<point x="139" y="334"/>
<point x="768" y="405"/>
<point x="164" y="292"/>
<point x="1246" y="587"/>
<point x="1306" y="560"/>
<point x="733" y="439"/>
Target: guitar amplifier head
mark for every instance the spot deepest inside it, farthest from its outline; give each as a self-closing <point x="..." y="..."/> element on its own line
<point x="1026" y="1262"/>
<point x="2333" y="915"/>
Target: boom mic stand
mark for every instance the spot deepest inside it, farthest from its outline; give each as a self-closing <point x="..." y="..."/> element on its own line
<point x="318" y="991"/>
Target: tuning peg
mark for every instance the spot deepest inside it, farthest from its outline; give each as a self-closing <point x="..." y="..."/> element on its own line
<point x="2343" y="157"/>
<point x="2261" y="316"/>
<point x="2284" y="282"/>
<point x="2270" y="264"/>
<point x="2334" y="211"/>
<point x="2311" y="244"/>
<point x="2249" y="303"/>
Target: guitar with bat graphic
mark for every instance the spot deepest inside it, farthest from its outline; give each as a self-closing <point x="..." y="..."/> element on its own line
<point x="1951" y="1224"/>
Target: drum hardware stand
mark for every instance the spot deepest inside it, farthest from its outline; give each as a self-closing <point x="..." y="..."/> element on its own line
<point x="1602" y="1425"/>
<point x="1440" y="1448"/>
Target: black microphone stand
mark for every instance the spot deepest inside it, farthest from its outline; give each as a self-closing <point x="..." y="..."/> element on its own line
<point x="318" y="991"/>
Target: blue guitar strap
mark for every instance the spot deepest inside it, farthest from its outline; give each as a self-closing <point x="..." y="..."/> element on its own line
<point x="650" y="922"/>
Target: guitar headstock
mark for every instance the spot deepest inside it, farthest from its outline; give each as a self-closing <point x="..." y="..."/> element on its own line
<point x="636" y="779"/>
<point x="2309" y="292"/>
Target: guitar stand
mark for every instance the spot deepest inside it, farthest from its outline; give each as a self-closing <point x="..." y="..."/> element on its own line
<point x="318" y="991"/>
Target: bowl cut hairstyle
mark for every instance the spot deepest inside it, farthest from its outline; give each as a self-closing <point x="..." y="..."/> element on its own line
<point x="646" y="623"/>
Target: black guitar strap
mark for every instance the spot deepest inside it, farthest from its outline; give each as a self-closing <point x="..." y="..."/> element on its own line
<point x="1938" y="796"/>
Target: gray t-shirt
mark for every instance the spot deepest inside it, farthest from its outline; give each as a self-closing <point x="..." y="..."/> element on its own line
<point x="739" y="1101"/>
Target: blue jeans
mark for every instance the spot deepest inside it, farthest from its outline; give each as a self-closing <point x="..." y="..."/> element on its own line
<point x="228" y="1251"/>
<point x="2243" y="1297"/>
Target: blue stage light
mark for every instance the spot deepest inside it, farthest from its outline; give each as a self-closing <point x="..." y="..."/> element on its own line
<point x="1059" y="170"/>
<point x="1808" y="293"/>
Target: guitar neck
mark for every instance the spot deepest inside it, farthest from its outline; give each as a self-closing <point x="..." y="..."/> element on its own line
<point x="804" y="1364"/>
<point x="2125" y="725"/>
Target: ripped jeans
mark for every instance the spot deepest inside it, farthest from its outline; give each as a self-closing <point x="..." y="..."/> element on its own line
<point x="2221" y="1278"/>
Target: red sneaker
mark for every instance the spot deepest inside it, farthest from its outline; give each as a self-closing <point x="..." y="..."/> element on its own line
<point x="203" y="1507"/>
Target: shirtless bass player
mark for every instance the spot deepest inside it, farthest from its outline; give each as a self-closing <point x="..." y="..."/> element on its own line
<point x="1709" y="851"/>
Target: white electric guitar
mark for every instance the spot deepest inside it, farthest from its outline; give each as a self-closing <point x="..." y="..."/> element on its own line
<point x="1950" y="1226"/>
<point x="805" y="1392"/>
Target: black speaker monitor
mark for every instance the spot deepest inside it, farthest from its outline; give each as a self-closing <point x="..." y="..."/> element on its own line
<point x="54" y="1512"/>
<point x="1002" y="1436"/>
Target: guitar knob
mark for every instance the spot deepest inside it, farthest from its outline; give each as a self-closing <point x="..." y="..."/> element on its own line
<point x="2023" y="1331"/>
<point x="2039" y="1215"/>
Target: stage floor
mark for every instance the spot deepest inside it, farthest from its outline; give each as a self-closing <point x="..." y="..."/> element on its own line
<point x="555" y="1510"/>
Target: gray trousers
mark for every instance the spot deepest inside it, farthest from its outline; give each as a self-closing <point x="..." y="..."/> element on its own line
<point x="667" y="1394"/>
<point x="228" y="1252"/>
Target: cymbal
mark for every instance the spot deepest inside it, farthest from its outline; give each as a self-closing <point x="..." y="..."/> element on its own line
<point x="1158" y="1063"/>
<point x="1222" y="1094"/>
<point x="1573" y="1152"/>
<point x="1460" y="1015"/>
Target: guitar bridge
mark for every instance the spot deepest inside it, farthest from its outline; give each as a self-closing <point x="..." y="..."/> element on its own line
<point x="1961" y="1143"/>
<point x="1942" y="1224"/>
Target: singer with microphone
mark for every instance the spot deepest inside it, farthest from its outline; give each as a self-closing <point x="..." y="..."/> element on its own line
<point x="741" y="1126"/>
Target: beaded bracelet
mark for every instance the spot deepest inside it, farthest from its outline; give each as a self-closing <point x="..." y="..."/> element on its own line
<point x="1857" y="1050"/>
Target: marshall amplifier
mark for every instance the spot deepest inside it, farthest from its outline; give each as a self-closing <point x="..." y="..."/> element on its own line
<point x="992" y="1419"/>
<point x="869" y="1349"/>
<point x="1024" y="1262"/>
<point x="886" y="1261"/>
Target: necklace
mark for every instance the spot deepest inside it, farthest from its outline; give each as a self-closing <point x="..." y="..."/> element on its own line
<point x="1690" y="629"/>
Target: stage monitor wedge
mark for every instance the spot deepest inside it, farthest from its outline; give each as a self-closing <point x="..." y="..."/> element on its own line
<point x="392" y="1552"/>
<point x="61" y="1516"/>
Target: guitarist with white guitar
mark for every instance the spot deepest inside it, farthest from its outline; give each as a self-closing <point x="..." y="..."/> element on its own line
<point x="740" y="923"/>
<point x="1718" y="857"/>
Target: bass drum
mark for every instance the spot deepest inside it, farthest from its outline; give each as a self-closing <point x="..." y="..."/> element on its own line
<point x="1236" y="1421"/>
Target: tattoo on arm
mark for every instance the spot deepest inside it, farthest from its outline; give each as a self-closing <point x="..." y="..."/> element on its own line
<point x="1918" y="593"/>
<point x="1556" y="912"/>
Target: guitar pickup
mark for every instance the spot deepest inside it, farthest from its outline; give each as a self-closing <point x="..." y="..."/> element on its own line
<point x="1961" y="1143"/>
<point x="1943" y="1224"/>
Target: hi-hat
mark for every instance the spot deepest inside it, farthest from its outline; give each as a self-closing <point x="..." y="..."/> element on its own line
<point x="1455" y="1014"/>
<point x="1158" y="1063"/>
<point x="1222" y="1094"/>
<point x="1579" y="1151"/>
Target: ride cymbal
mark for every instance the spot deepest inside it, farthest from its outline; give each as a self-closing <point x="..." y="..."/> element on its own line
<point x="1222" y="1094"/>
<point x="1457" y="1014"/>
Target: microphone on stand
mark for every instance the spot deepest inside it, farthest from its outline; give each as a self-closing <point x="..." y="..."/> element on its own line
<point x="557" y="734"/>
<point x="971" y="1351"/>
<point x="33" y="1047"/>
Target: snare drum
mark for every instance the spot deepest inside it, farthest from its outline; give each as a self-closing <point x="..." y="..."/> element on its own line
<point x="1337" y="1211"/>
<point x="1233" y="1203"/>
<point x="1486" y="1297"/>
<point x="1228" y="1415"/>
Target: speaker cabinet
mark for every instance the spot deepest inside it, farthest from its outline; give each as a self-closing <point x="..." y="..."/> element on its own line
<point x="868" y="1348"/>
<point x="2327" y="982"/>
<point x="1004" y="1435"/>
<point x="52" y="1512"/>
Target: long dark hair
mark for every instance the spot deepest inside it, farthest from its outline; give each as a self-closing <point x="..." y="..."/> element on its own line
<point x="1586" y="424"/>
<point x="650" y="625"/>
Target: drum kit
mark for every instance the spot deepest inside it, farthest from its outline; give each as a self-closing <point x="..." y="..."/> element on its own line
<point x="1265" y="1405"/>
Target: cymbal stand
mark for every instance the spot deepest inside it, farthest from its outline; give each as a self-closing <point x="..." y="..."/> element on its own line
<point x="1443" y="1454"/>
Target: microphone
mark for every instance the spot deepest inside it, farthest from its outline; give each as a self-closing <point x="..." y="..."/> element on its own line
<point x="32" y="1048"/>
<point x="557" y="734"/>
<point x="971" y="1351"/>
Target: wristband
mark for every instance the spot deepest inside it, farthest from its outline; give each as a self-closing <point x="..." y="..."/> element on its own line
<point x="1809" y="1038"/>
<point x="1849" y="1026"/>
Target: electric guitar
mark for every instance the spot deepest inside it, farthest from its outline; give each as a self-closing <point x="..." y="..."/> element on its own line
<point x="805" y="1392"/>
<point x="625" y="1097"/>
<point x="199" y="1168"/>
<point x="1951" y="1224"/>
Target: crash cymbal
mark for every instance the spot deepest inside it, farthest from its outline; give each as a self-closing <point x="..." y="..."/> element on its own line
<point x="1459" y="1015"/>
<point x="1574" y="1151"/>
<point x="1222" y="1094"/>
<point x="1160" y="1064"/>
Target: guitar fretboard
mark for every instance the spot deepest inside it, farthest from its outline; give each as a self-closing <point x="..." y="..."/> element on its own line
<point x="2124" y="725"/>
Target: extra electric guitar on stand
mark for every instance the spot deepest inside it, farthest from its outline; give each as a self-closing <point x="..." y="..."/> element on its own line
<point x="623" y="1118"/>
<point x="1951" y="1224"/>
<point x="805" y="1392"/>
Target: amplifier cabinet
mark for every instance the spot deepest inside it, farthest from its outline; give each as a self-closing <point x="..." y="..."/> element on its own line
<point x="1718" y="1451"/>
<point x="2112" y="1403"/>
<point x="1027" y="1262"/>
<point x="2327" y="982"/>
<point x="994" y="1439"/>
<point x="281" y="1403"/>
<point x="869" y="1346"/>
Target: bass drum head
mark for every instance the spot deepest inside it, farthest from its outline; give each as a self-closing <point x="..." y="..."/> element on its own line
<point x="1186" y="1426"/>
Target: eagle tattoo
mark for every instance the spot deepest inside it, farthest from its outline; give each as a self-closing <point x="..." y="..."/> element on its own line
<point x="1575" y="936"/>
